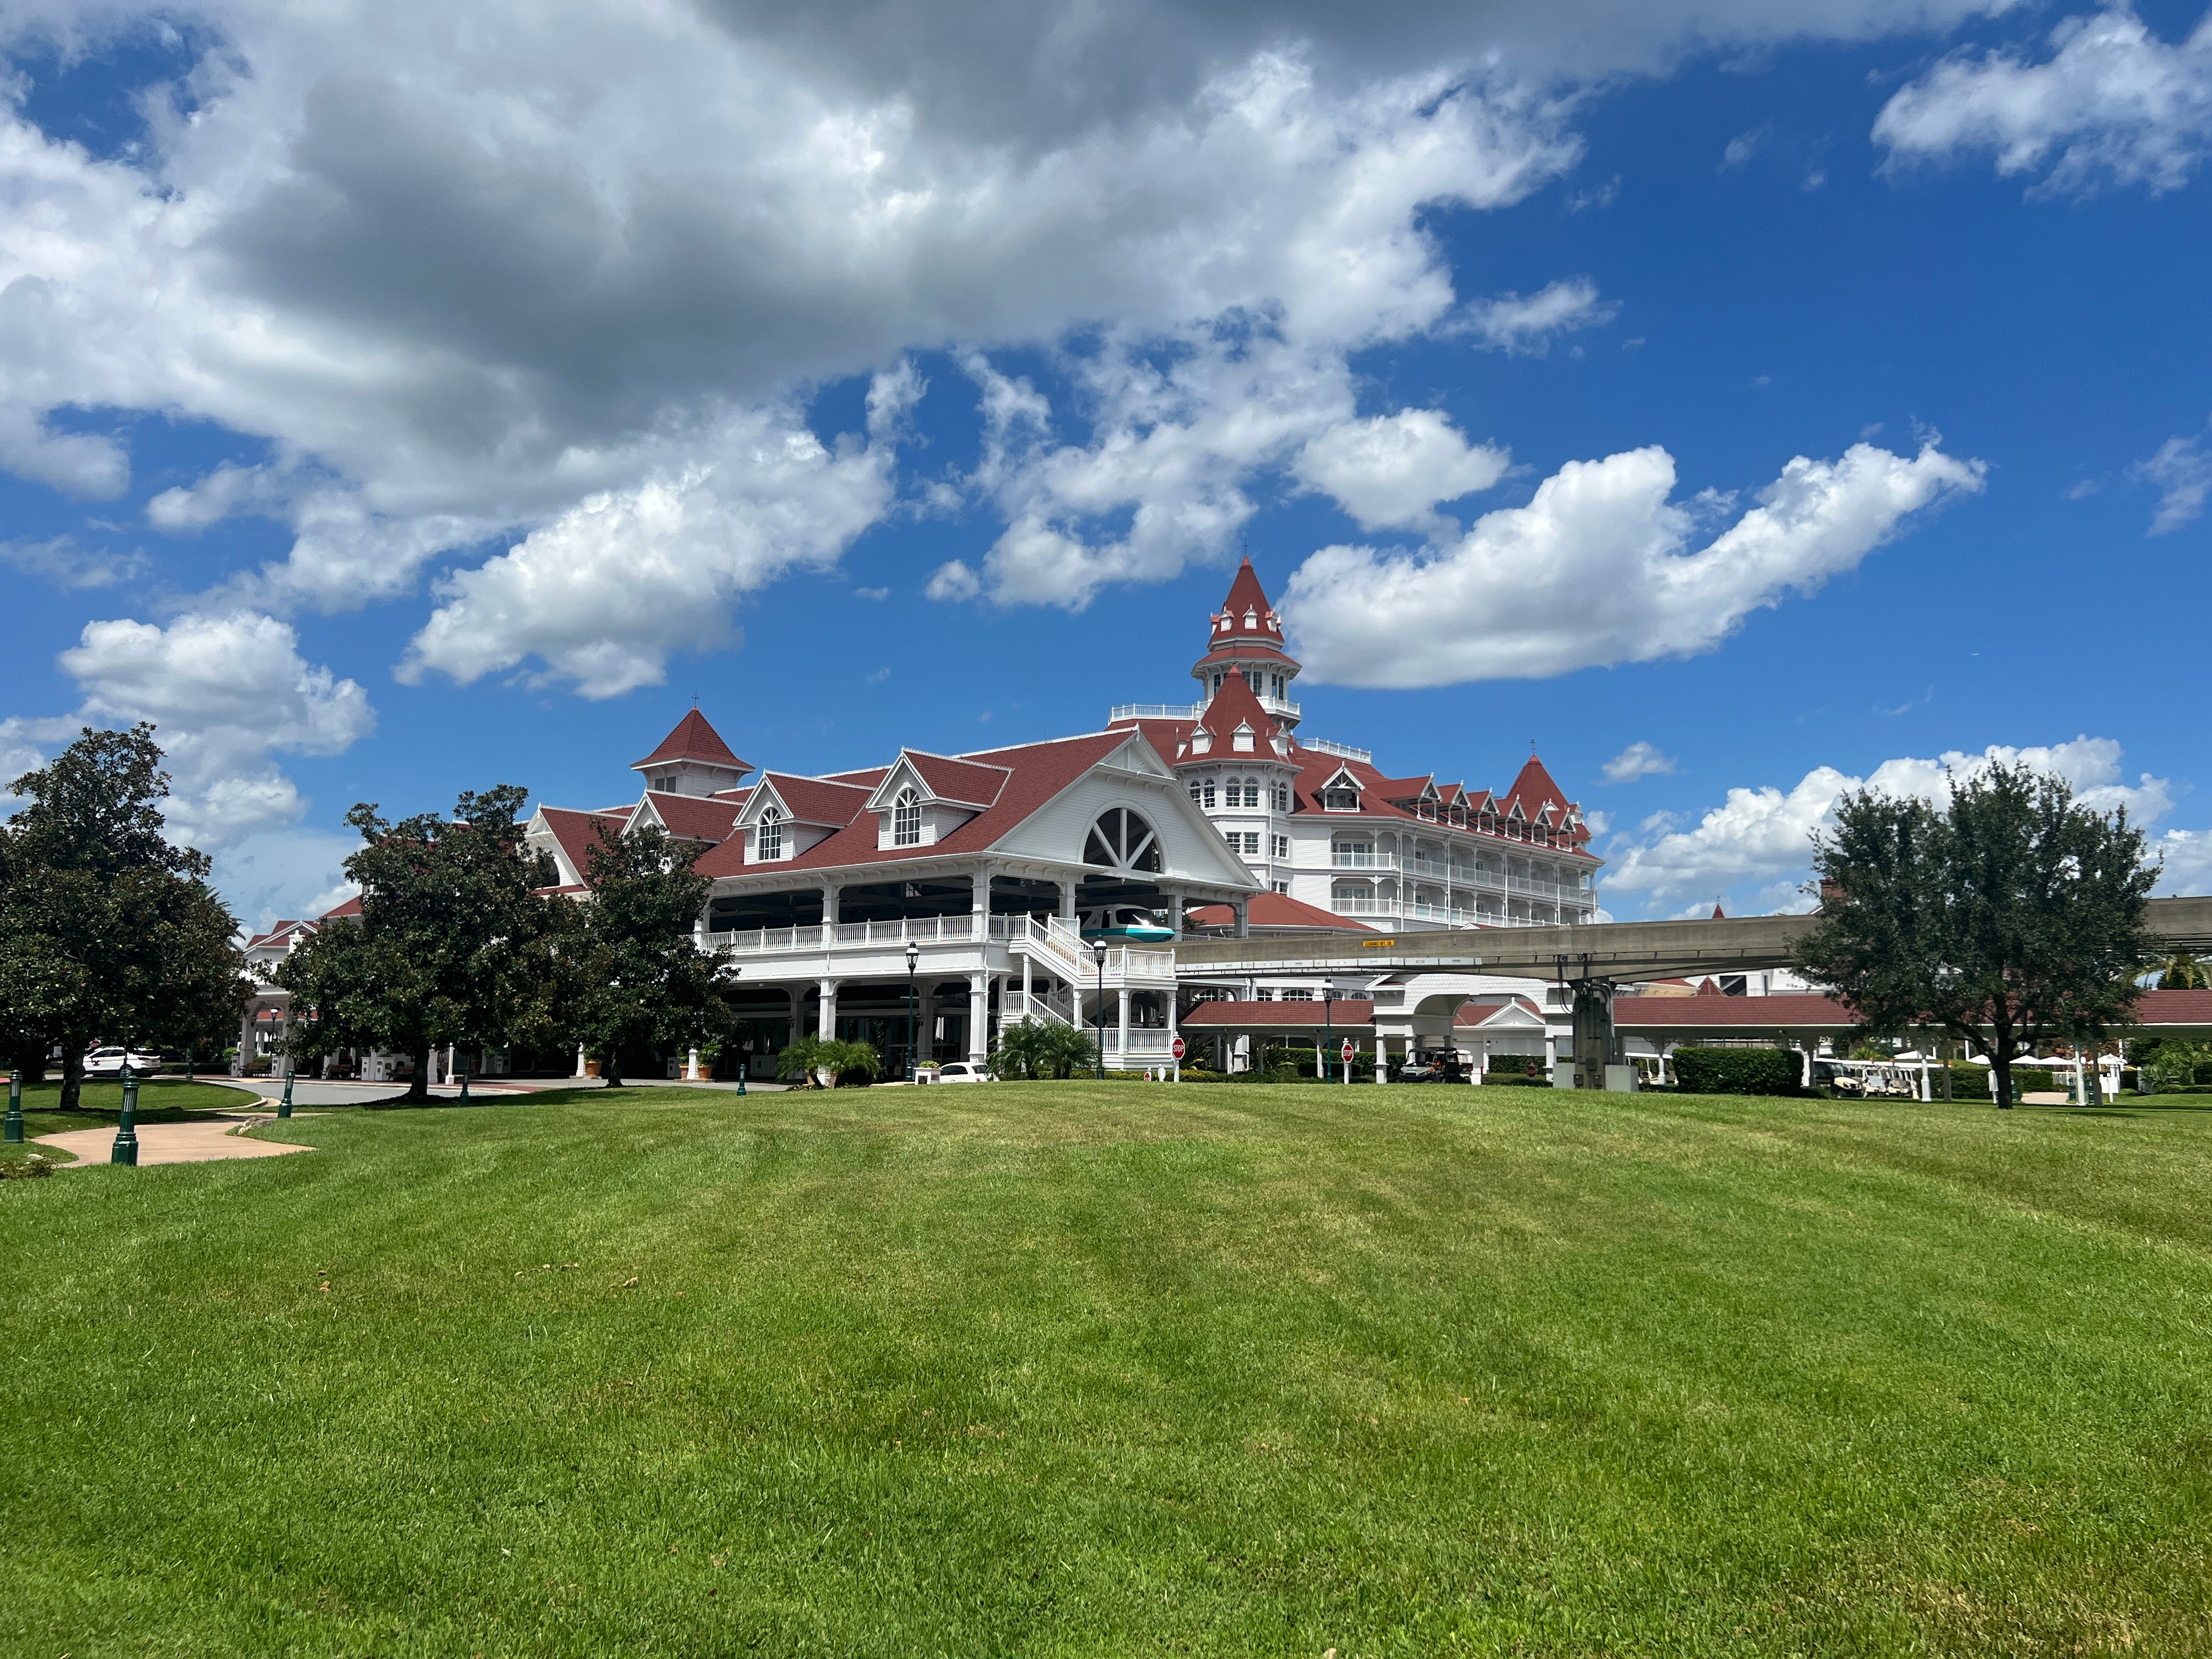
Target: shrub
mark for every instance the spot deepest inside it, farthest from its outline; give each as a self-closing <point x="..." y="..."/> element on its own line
<point x="1738" y="1071"/>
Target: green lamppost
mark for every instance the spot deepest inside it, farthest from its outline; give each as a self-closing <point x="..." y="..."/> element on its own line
<point x="284" y="1106"/>
<point x="126" y="1127"/>
<point x="15" y="1107"/>
<point x="1098" y="950"/>
<point x="465" y="1088"/>
<point x="913" y="956"/>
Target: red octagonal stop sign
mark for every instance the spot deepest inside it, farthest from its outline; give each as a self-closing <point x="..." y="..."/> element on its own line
<point x="1175" y="1048"/>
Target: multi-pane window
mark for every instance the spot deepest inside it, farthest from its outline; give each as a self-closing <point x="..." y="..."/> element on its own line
<point x="1283" y="887"/>
<point x="769" y="839"/>
<point x="906" y="820"/>
<point x="1282" y="847"/>
<point x="1207" y="794"/>
<point x="1343" y="800"/>
<point x="1298" y="993"/>
<point x="1282" y="797"/>
<point x="1193" y="792"/>
<point x="1246" y="842"/>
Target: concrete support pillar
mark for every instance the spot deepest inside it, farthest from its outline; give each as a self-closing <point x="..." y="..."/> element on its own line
<point x="1122" y="1025"/>
<point x="1067" y="902"/>
<point x="1244" y="909"/>
<point x="925" y="1021"/>
<point x="978" y="1018"/>
<point x="1175" y="903"/>
<point x="826" y="1019"/>
<point x="1594" y="1036"/>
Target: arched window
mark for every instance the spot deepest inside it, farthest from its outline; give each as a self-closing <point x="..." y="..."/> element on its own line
<point x="906" y="819"/>
<point x="1205" y="792"/>
<point x="1282" y="797"/>
<point x="1121" y="840"/>
<point x="767" y="841"/>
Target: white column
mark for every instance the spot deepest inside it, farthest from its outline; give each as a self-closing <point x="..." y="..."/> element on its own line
<point x="829" y="890"/>
<point x="1067" y="901"/>
<point x="580" y="1060"/>
<point x="1124" y="1023"/>
<point x="979" y="1017"/>
<point x="1173" y="1028"/>
<point x="1550" y="1054"/>
<point x="826" y="1021"/>
<point x="691" y="1066"/>
<point x="1381" y="1058"/>
<point x="1026" y="965"/>
<point x="979" y="901"/>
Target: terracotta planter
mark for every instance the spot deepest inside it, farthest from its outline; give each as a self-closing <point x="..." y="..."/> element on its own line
<point x="590" y="1068"/>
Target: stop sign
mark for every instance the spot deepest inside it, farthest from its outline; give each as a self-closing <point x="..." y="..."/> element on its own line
<point x="1175" y="1048"/>
<point x="1347" y="1047"/>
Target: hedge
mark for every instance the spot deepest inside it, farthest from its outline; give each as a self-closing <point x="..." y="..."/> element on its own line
<point x="1738" y="1071"/>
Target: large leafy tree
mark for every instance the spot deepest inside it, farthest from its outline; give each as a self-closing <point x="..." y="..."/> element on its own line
<point x="452" y="945"/>
<point x="637" y="980"/>
<point x="2012" y="916"/>
<point x="108" y="932"/>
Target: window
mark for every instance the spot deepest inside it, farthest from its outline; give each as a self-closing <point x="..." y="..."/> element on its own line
<point x="1352" y="855"/>
<point x="1341" y="800"/>
<point x="1252" y="677"/>
<point x="1284" y="888"/>
<point x="1243" y="841"/>
<point x="1282" y="845"/>
<point x="1205" y="792"/>
<point x="906" y="820"/>
<point x="1240" y="739"/>
<point x="1298" y="993"/>
<point x="1216" y="680"/>
<point x="767" y="843"/>
<point x="1122" y="841"/>
<point x="1282" y="797"/>
<point x="1195" y="793"/>
<point x="1251" y="619"/>
<point x="1263" y="994"/>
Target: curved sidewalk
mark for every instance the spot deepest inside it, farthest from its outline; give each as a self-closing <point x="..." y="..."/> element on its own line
<point x="205" y="1141"/>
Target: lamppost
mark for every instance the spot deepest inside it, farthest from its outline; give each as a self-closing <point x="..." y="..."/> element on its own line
<point x="1327" y="1012"/>
<point x="15" y="1107"/>
<point x="1098" y="950"/>
<point x="284" y="1106"/>
<point x="127" y="1127"/>
<point x="913" y="957"/>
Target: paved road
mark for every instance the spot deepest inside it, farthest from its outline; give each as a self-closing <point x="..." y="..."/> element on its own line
<point x="313" y="1091"/>
<point x="201" y="1142"/>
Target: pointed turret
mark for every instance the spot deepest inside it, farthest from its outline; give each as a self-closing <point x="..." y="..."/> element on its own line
<point x="692" y="760"/>
<point x="1245" y="639"/>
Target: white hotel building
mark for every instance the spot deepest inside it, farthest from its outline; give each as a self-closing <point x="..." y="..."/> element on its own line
<point x="977" y="874"/>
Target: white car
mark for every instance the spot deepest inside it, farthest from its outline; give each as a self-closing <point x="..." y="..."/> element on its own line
<point x="110" y="1062"/>
<point x="961" y="1071"/>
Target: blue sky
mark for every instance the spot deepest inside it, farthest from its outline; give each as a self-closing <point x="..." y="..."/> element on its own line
<point x="1762" y="399"/>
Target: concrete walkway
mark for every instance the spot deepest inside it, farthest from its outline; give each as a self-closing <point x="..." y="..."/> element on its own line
<point x="203" y="1142"/>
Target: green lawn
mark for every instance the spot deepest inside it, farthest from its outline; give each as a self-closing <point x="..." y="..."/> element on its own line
<point x="1119" y="1370"/>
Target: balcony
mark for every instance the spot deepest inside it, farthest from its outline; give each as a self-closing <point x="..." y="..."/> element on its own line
<point x="1282" y="707"/>
<point x="1340" y="860"/>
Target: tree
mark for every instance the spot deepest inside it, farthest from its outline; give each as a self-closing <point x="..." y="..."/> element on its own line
<point x="638" y="980"/>
<point x="806" y="1058"/>
<point x="452" y="945"/>
<point x="107" y="931"/>
<point x="1025" y="1051"/>
<point x="2181" y="970"/>
<point x="2013" y="916"/>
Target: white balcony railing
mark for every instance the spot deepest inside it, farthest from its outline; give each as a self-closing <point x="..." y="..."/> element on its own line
<point x="1321" y="745"/>
<point x="1340" y="860"/>
<point x="1155" y="711"/>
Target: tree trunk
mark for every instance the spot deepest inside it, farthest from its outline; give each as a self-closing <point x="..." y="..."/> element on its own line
<point x="611" y="1068"/>
<point x="418" y="1085"/>
<point x="2000" y="1068"/>
<point x="72" y="1077"/>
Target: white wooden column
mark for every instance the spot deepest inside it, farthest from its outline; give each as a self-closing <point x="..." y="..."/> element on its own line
<point x="826" y="1021"/>
<point x="1067" y="901"/>
<point x="1172" y="1028"/>
<point x="978" y="1018"/>
<point x="1124" y="1027"/>
<point x="829" y="891"/>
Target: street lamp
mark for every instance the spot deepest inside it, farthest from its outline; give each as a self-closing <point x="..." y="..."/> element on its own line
<point x="127" y="1127"/>
<point x="15" y="1107"/>
<point x="913" y="956"/>
<point x="1098" y="950"/>
<point x="284" y="1106"/>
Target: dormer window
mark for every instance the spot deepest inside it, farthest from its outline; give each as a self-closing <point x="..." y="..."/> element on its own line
<point x="768" y="840"/>
<point x="663" y="784"/>
<point x="1341" y="800"/>
<point x="1251" y="619"/>
<point x="1240" y="739"/>
<point x="906" y="819"/>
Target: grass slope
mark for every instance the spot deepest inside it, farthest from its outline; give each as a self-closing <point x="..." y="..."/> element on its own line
<point x="1088" y="1368"/>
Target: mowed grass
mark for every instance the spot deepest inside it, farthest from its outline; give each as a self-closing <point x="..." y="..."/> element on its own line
<point x="1112" y="1369"/>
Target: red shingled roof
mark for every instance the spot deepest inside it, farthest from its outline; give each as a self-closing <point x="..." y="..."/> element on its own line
<point x="1277" y="910"/>
<point x="965" y="783"/>
<point x="1776" y="1013"/>
<point x="817" y="800"/>
<point x="1233" y="706"/>
<point x="1245" y="594"/>
<point x="1036" y="772"/>
<point x="350" y="908"/>
<point x="575" y="832"/>
<point x="694" y="817"/>
<point x="693" y="739"/>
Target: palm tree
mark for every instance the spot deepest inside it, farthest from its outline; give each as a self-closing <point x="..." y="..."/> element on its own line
<point x="2185" y="970"/>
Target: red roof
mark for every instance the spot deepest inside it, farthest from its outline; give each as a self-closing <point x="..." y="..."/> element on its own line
<point x="1035" y="773"/>
<point x="1346" y="1013"/>
<point x="965" y="783"/>
<point x="350" y="908"/>
<point x="1775" y="1013"/>
<point x="1246" y="597"/>
<point x="693" y="739"/>
<point x="575" y="831"/>
<point x="1535" y="789"/>
<point x="694" y="817"/>
<point x="1241" y="648"/>
<point x="1233" y="706"/>
<point x="1271" y="910"/>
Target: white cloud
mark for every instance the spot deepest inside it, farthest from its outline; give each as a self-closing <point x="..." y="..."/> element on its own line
<point x="1639" y="760"/>
<point x="2112" y="103"/>
<point x="1745" y="145"/>
<point x="1764" y="835"/>
<point x="62" y="563"/>
<point x="2182" y="470"/>
<point x="1597" y="570"/>
<point x="953" y="580"/>
<point x="77" y="464"/>
<point x="1392" y="471"/>
<point x="2187" y="859"/>
<point x="225" y="693"/>
<point x="1525" y="326"/>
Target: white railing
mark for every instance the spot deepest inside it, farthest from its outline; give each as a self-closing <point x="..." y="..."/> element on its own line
<point x="1322" y="746"/>
<point x="1340" y="860"/>
<point x="1151" y="1041"/>
<point x="1282" y="705"/>
<point x="1155" y="711"/>
<point x="1023" y="1005"/>
<point x="921" y="929"/>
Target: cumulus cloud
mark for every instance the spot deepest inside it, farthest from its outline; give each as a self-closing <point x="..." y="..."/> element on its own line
<point x="1390" y="472"/>
<point x="77" y="464"/>
<point x="2182" y="470"/>
<point x="1598" y="568"/>
<point x="1639" y="760"/>
<point x="1764" y="835"/>
<point x="1525" y="326"/>
<point x="953" y="580"/>
<point x="226" y="694"/>
<point x="2112" y="104"/>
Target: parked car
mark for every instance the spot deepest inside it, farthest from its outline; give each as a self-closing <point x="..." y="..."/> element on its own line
<point x="961" y="1071"/>
<point x="110" y="1062"/>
